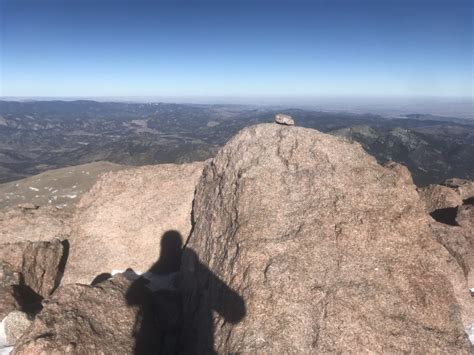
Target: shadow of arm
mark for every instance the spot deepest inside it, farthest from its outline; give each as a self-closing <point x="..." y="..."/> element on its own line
<point x="228" y="303"/>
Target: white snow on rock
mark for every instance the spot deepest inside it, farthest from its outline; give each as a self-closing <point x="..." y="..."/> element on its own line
<point x="129" y="273"/>
<point x="4" y="348"/>
<point x="33" y="188"/>
<point x="470" y="332"/>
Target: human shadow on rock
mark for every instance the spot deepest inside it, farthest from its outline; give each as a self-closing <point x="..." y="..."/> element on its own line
<point x="157" y="293"/>
<point x="204" y="293"/>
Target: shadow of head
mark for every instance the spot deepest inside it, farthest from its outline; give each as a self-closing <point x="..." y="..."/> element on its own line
<point x="171" y="248"/>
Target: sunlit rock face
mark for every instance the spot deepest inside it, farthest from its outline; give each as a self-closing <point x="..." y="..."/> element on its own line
<point x="119" y="223"/>
<point x="302" y="243"/>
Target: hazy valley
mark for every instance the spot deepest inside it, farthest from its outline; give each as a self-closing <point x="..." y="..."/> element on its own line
<point x="38" y="136"/>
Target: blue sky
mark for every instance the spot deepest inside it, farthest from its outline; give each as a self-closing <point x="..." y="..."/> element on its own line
<point x="85" y="48"/>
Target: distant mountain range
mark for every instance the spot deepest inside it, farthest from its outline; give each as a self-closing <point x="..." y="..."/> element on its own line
<point x="37" y="136"/>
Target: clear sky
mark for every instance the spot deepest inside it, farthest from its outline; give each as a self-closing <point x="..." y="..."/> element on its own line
<point x="236" y="48"/>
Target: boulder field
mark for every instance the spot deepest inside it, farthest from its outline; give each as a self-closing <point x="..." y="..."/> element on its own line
<point x="288" y="241"/>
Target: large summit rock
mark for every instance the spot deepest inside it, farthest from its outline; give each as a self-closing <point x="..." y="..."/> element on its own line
<point x="119" y="223"/>
<point x="328" y="251"/>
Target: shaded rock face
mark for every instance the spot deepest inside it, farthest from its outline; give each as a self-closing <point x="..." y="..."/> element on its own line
<point x="329" y="251"/>
<point x="119" y="223"/>
<point x="80" y="319"/>
<point x="8" y="301"/>
<point x="37" y="263"/>
<point x="9" y="279"/>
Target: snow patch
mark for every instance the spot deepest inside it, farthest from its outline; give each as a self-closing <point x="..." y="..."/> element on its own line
<point x="129" y="273"/>
<point x="470" y="332"/>
<point x="4" y="348"/>
<point x="33" y="188"/>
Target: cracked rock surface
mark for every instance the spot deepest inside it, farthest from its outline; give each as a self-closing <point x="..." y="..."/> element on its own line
<point x="329" y="252"/>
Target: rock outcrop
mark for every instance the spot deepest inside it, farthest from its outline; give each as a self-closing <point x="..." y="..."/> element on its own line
<point x="38" y="264"/>
<point x="464" y="187"/>
<point x="465" y="218"/>
<point x="102" y="319"/>
<point x="460" y="245"/>
<point x="437" y="197"/>
<point x="302" y="243"/>
<point x="452" y="210"/>
<point x="120" y="221"/>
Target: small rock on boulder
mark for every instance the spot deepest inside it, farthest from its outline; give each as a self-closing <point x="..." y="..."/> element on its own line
<point x="283" y="119"/>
